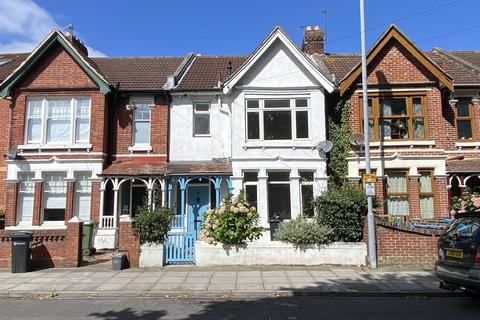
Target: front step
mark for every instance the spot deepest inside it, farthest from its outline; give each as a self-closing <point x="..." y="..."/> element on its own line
<point x="105" y="239"/>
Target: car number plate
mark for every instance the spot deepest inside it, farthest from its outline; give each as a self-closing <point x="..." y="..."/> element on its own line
<point x="454" y="253"/>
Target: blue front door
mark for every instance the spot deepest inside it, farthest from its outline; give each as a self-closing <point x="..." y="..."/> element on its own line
<point x="197" y="205"/>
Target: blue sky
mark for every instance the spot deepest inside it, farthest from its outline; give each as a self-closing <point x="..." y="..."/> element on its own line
<point x="148" y="27"/>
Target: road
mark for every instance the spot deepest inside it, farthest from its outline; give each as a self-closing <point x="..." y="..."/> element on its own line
<point x="272" y="308"/>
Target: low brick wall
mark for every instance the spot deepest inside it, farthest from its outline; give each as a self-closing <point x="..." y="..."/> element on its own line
<point x="128" y="242"/>
<point x="50" y="248"/>
<point x="397" y="246"/>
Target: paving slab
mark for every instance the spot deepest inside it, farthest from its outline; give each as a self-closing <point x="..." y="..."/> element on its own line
<point x="250" y="287"/>
<point x="166" y="287"/>
<point x="308" y="279"/>
<point x="249" y="280"/>
<point x="111" y="287"/>
<point x="273" y="273"/>
<point x="249" y="274"/>
<point x="223" y="280"/>
<point x="166" y="279"/>
<point x="223" y="274"/>
<point x="194" y="286"/>
<point x="200" y="274"/>
<point x="221" y="287"/>
<point x="275" y="279"/>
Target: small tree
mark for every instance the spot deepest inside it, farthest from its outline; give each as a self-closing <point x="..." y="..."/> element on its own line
<point x="343" y="209"/>
<point x="153" y="221"/>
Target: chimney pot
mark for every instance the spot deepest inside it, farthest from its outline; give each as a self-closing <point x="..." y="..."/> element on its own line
<point x="308" y="28"/>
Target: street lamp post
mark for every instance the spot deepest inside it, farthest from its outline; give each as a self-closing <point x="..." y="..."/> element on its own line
<point x="372" y="252"/>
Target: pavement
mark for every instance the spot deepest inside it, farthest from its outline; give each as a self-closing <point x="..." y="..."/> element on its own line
<point x="202" y="282"/>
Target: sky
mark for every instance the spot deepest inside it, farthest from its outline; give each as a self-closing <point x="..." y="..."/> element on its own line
<point x="222" y="27"/>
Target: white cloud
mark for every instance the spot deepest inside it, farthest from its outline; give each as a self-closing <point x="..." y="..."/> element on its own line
<point x="25" y="25"/>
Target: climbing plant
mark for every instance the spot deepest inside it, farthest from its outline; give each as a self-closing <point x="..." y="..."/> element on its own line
<point x="339" y="133"/>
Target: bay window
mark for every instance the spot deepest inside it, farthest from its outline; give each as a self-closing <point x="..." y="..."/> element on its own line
<point x="427" y="207"/>
<point x="397" y="193"/>
<point x="83" y="192"/>
<point x="201" y="119"/>
<point x="277" y="119"/>
<point x="279" y="195"/>
<point x="26" y="190"/>
<point x="397" y="118"/>
<point x="463" y="118"/>
<point x="306" y="186"/>
<point x="141" y="123"/>
<point x="250" y="184"/>
<point x="57" y="120"/>
<point x="54" y="197"/>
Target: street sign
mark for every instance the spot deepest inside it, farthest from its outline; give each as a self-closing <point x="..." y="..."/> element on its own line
<point x="370" y="189"/>
<point x="370" y="177"/>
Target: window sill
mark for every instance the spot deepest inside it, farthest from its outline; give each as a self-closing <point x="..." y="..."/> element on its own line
<point x="278" y="144"/>
<point x="201" y="135"/>
<point x="140" y="148"/>
<point x="403" y="143"/>
<point x="42" y="227"/>
<point x="473" y="144"/>
<point x="53" y="147"/>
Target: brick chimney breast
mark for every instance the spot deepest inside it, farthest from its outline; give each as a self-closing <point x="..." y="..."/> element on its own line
<point x="79" y="45"/>
<point x="313" y="40"/>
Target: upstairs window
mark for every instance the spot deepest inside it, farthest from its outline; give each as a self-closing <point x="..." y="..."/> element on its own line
<point x="57" y="120"/>
<point x="463" y="118"/>
<point x="201" y="119"/>
<point x="141" y="123"/>
<point x="397" y="118"/>
<point x="277" y="119"/>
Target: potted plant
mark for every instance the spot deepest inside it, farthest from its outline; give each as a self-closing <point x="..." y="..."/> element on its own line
<point x="2" y="219"/>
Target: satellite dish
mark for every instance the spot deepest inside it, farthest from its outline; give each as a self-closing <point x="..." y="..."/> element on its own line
<point x="357" y="139"/>
<point x="324" y="146"/>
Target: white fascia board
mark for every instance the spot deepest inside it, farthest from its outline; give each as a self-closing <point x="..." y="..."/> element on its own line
<point x="278" y="34"/>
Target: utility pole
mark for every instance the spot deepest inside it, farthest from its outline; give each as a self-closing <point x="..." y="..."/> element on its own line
<point x="372" y="251"/>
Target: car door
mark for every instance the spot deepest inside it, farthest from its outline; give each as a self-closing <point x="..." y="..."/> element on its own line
<point x="459" y="242"/>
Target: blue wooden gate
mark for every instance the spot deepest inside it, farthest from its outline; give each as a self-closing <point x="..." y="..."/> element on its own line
<point x="180" y="248"/>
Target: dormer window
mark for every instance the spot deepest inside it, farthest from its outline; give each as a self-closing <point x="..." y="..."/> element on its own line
<point x="57" y="120"/>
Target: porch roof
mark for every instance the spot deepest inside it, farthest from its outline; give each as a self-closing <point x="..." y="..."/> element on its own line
<point x="199" y="168"/>
<point x="466" y="165"/>
<point x="155" y="168"/>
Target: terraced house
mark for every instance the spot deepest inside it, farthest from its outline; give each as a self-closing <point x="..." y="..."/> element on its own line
<point x="94" y="138"/>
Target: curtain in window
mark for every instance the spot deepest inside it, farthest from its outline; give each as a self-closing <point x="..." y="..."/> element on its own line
<point x="34" y="121"/>
<point x="82" y="130"/>
<point x="397" y="183"/>
<point x="426" y="183"/>
<point x="25" y="199"/>
<point x="59" y="125"/>
<point x="142" y="124"/>
<point x="426" y="207"/>
<point x="55" y="196"/>
<point x="83" y="187"/>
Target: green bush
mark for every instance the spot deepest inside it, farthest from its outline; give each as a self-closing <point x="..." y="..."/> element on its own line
<point x="2" y="214"/>
<point x="343" y="209"/>
<point x="152" y="224"/>
<point x="234" y="222"/>
<point x="303" y="233"/>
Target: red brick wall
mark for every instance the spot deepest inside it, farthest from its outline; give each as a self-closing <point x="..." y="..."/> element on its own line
<point x="123" y="127"/>
<point x="129" y="243"/>
<point x="396" y="246"/>
<point x="60" y="248"/>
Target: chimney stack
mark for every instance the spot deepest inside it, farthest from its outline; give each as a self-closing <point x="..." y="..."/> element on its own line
<point x="313" y="40"/>
<point x="77" y="43"/>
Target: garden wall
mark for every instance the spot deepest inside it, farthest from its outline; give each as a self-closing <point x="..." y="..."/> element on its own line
<point x="396" y="246"/>
<point x="279" y="253"/>
<point x="50" y="248"/>
<point x="128" y="242"/>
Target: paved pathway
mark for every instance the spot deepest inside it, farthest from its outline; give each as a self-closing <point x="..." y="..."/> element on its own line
<point x="218" y="281"/>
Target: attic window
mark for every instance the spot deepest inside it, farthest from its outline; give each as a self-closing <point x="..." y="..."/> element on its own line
<point x="4" y="61"/>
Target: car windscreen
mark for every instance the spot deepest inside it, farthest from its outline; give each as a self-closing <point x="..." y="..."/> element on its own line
<point x="465" y="227"/>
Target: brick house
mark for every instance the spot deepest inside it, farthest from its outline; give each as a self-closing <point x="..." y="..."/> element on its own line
<point x="423" y="111"/>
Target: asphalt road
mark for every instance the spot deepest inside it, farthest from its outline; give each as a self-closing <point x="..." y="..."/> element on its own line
<point x="271" y="308"/>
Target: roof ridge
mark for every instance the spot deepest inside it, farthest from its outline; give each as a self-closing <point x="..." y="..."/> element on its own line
<point x="457" y="59"/>
<point x="134" y="58"/>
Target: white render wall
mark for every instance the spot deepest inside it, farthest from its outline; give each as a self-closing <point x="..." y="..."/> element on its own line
<point x="186" y="147"/>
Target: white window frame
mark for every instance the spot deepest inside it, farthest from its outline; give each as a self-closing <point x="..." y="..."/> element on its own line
<point x="44" y="193"/>
<point x="306" y="183"/>
<point x="21" y="195"/>
<point x="293" y="109"/>
<point x="195" y="112"/>
<point x="148" y="102"/>
<point x="44" y="120"/>
<point x="79" y="193"/>
<point x="251" y="183"/>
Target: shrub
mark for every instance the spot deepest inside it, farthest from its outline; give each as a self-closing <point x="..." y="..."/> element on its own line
<point x="2" y="214"/>
<point x="234" y="222"/>
<point x="152" y="224"/>
<point x="343" y="209"/>
<point x="303" y="233"/>
<point x="470" y="201"/>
